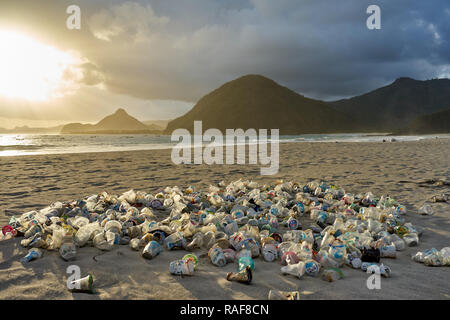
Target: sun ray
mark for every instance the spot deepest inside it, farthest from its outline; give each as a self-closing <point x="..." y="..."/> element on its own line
<point x="31" y="70"/>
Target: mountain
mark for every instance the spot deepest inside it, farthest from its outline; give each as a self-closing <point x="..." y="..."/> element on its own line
<point x="396" y="105"/>
<point x="157" y="124"/>
<point x="117" y="123"/>
<point x="438" y="122"/>
<point x="254" y="101"/>
<point x="30" y="130"/>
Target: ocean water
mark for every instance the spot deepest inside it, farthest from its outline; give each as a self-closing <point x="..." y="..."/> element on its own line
<point x="35" y="144"/>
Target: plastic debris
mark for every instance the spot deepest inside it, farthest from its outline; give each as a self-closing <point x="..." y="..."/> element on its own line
<point x="426" y="209"/>
<point x="183" y="267"/>
<point x="32" y="254"/>
<point x="371" y="267"/>
<point x="244" y="222"/>
<point x="332" y="274"/>
<point x="433" y="257"/>
<point x="296" y="270"/>
<point x="68" y="251"/>
<point x="85" y="284"/>
<point x="243" y="276"/>
<point x="439" y="198"/>
<point x="284" y="295"/>
<point x="151" y="250"/>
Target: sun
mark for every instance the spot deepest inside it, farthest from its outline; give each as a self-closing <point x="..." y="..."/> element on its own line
<point x="31" y="70"/>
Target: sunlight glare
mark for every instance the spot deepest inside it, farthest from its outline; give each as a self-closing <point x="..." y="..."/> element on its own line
<point x="31" y="70"/>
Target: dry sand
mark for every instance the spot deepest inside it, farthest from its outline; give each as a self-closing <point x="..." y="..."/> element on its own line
<point x="33" y="182"/>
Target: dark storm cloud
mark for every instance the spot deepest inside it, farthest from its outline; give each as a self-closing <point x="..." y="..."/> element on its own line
<point x="180" y="50"/>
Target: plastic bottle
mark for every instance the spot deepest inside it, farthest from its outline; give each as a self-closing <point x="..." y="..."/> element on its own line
<point x="388" y="251"/>
<point x="426" y="209"/>
<point x="86" y="232"/>
<point x="196" y="242"/>
<point x="269" y="252"/>
<point x="217" y="257"/>
<point x="374" y="268"/>
<point x="337" y="250"/>
<point x="243" y="276"/>
<point x="101" y="242"/>
<point x="355" y="262"/>
<point x="33" y="254"/>
<point x="411" y="239"/>
<point x="145" y="239"/>
<point x="68" y="250"/>
<point x="332" y="274"/>
<point x="244" y="262"/>
<point x="182" y="267"/>
<point x="85" y="284"/>
<point x="230" y="255"/>
<point x="151" y="250"/>
<point x="134" y="244"/>
<point x="175" y="240"/>
<point x="312" y="268"/>
<point x="34" y="229"/>
<point x="113" y="226"/>
<point x="297" y="270"/>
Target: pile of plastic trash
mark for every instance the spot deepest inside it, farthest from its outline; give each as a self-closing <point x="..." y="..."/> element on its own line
<point x="433" y="257"/>
<point x="310" y="229"/>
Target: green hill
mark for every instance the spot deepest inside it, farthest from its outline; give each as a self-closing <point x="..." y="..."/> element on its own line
<point x="396" y="105"/>
<point x="254" y="101"/>
<point x="438" y="122"/>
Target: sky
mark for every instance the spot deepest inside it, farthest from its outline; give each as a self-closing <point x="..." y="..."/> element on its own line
<point x="157" y="58"/>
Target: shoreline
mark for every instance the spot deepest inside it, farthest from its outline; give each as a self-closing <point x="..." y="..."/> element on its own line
<point x="284" y="141"/>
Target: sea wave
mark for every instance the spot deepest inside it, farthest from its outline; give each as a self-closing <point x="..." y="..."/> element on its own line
<point x="22" y="147"/>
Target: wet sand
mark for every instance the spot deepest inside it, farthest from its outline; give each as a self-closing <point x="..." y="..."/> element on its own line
<point x="33" y="182"/>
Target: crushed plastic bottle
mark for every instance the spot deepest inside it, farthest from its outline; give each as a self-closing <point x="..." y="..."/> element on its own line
<point x="269" y="252"/>
<point x="243" y="262"/>
<point x="182" y="267"/>
<point x="411" y="239"/>
<point x="388" y="251"/>
<point x="151" y="250"/>
<point x="32" y="254"/>
<point x="332" y="274"/>
<point x="372" y="267"/>
<point x="312" y="268"/>
<point x="175" y="241"/>
<point x="217" y="257"/>
<point x="296" y="270"/>
<point x="283" y="295"/>
<point x="85" y="284"/>
<point x="426" y="209"/>
<point x="243" y="276"/>
<point x="68" y="250"/>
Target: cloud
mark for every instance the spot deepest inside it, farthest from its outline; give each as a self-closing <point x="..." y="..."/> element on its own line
<point x="129" y="19"/>
<point x="91" y="74"/>
<point x="320" y="48"/>
<point x="156" y="50"/>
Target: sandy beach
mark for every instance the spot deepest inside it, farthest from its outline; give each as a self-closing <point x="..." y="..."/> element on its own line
<point x="394" y="168"/>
